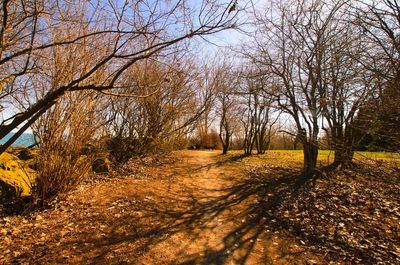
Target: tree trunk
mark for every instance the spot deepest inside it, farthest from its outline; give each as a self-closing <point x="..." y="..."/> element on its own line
<point x="225" y="142"/>
<point x="224" y="149"/>
<point x="29" y="116"/>
<point x="343" y="147"/>
<point x="224" y="137"/>
<point x="310" y="159"/>
<point x="261" y="145"/>
<point x="248" y="147"/>
<point x="343" y="155"/>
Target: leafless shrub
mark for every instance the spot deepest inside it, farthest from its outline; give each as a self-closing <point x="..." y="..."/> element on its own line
<point x="63" y="133"/>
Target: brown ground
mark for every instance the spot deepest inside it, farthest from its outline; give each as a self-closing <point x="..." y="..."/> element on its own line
<point x="196" y="211"/>
<point x="198" y="207"/>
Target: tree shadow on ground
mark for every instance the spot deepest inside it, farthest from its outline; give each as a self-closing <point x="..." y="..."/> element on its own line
<point x="248" y="206"/>
<point x="250" y="209"/>
<point x="223" y="160"/>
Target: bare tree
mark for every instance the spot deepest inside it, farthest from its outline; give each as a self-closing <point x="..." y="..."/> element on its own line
<point x="291" y="52"/>
<point x="261" y="117"/>
<point x="63" y="132"/>
<point x="226" y="87"/>
<point x="344" y="85"/>
<point x="129" y="31"/>
<point x="248" y="115"/>
<point x="380" y="21"/>
<point x="207" y="83"/>
<point x="170" y="107"/>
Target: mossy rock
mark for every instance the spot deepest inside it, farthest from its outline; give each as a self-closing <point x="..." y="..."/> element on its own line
<point x="15" y="173"/>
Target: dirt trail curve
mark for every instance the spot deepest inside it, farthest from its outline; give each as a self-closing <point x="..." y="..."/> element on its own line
<point x="192" y="212"/>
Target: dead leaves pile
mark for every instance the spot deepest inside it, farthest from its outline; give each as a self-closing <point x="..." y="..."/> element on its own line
<point x="346" y="217"/>
<point x="140" y="167"/>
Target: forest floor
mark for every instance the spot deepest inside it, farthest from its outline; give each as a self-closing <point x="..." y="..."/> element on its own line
<point x="198" y="207"/>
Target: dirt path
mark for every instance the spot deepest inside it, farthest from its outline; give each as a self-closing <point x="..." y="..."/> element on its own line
<point x="193" y="212"/>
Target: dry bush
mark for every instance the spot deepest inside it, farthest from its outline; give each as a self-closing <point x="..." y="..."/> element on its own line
<point x="63" y="134"/>
<point x="122" y="149"/>
<point x="206" y="140"/>
<point x="163" y="105"/>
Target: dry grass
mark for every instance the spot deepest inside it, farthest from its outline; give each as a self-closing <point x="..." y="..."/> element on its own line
<point x="64" y="132"/>
<point x="325" y="157"/>
<point x="16" y="173"/>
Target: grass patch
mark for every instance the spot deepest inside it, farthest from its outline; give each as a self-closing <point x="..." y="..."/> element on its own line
<point x="295" y="157"/>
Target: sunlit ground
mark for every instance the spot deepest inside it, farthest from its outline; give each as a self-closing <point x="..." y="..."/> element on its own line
<point x="325" y="157"/>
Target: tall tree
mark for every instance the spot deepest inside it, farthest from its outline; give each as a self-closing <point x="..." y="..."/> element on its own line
<point x="260" y="115"/>
<point x="226" y="103"/>
<point x="344" y="85"/>
<point x="291" y="50"/>
<point x="379" y="119"/>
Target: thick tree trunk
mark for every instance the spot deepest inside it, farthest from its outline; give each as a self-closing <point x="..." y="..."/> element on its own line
<point x="247" y="150"/>
<point x="343" y="155"/>
<point x="259" y="141"/>
<point x="343" y="147"/>
<point x="224" y="149"/>
<point x="260" y="151"/>
<point x="310" y="159"/>
<point x="225" y="143"/>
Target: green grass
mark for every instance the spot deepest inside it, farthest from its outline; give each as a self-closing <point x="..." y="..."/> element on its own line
<point x="325" y="157"/>
<point x="358" y="154"/>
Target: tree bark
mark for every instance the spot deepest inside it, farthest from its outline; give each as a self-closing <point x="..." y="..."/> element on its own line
<point x="225" y="143"/>
<point x="248" y="147"/>
<point x="310" y="159"/>
<point x="344" y="154"/>
<point x="224" y="149"/>
<point x="343" y="146"/>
